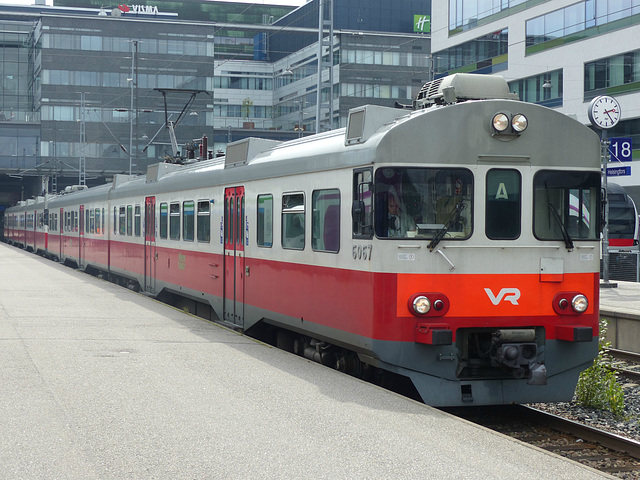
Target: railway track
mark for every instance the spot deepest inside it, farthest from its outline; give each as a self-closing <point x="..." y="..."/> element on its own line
<point x="625" y="363"/>
<point x="598" y="449"/>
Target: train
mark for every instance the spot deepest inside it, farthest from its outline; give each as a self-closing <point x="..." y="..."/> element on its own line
<point x="453" y="244"/>
<point x="622" y="220"/>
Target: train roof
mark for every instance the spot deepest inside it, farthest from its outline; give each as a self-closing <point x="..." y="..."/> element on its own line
<point x="454" y="130"/>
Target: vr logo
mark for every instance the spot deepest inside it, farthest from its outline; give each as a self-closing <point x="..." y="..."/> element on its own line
<point x="507" y="294"/>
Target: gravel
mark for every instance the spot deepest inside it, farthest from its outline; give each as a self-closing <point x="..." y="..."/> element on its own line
<point x="628" y="426"/>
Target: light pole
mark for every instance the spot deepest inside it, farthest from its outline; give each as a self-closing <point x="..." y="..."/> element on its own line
<point x="134" y="84"/>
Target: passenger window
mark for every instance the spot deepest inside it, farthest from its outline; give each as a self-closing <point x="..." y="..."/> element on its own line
<point x="240" y="222"/>
<point x="98" y="224"/>
<point x="174" y="221"/>
<point x="92" y="225"/>
<point x="123" y="221"/>
<point x="325" y="228"/>
<point x="164" y="220"/>
<point x="265" y="220"/>
<point x="115" y="220"/>
<point x="136" y="221"/>
<point x="204" y="221"/>
<point x="188" y="220"/>
<point x="293" y="216"/>
<point x="362" y="208"/>
<point x="503" y="215"/>
<point x="129" y="220"/>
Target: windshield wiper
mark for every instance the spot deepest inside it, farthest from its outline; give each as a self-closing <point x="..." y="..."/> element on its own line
<point x="454" y="217"/>
<point x="565" y="234"/>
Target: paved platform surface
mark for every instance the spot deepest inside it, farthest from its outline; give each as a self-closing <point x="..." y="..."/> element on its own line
<point x="97" y="382"/>
<point x="622" y="298"/>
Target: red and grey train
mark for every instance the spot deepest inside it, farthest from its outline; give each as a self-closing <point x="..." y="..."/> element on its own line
<point x="455" y="244"/>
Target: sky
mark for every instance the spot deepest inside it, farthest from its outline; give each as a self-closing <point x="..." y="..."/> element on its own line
<point x="294" y="3"/>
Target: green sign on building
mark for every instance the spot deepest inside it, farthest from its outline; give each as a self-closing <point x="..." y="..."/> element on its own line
<point x="422" y="23"/>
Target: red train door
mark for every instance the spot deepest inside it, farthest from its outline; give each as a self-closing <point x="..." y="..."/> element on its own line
<point x="81" y="238"/>
<point x="150" y="245"/>
<point x="61" y="230"/>
<point x="234" y="215"/>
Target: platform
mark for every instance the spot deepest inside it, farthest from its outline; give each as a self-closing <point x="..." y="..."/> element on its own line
<point x="101" y="383"/>
<point x="620" y="306"/>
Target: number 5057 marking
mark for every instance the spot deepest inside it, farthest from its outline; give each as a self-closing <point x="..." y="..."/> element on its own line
<point x="362" y="252"/>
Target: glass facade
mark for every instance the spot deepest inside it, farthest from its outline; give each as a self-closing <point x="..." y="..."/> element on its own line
<point x="16" y="98"/>
<point x="468" y="14"/>
<point x="86" y="85"/>
<point x="545" y="89"/>
<point x="612" y="75"/>
<point x="487" y="54"/>
<point x="578" y="21"/>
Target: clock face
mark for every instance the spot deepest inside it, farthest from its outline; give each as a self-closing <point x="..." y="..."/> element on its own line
<point x="604" y="112"/>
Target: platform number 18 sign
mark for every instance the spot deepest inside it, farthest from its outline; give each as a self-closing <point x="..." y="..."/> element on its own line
<point x="621" y="149"/>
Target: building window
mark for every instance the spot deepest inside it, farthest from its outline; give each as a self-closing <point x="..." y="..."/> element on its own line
<point x="616" y="71"/>
<point x="572" y="23"/>
<point x="545" y="89"/>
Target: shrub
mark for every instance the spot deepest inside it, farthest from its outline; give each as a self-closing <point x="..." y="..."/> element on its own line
<point x="597" y="385"/>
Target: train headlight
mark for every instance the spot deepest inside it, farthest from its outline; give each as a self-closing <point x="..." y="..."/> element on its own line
<point x="579" y="303"/>
<point x="519" y="123"/>
<point x="421" y="305"/>
<point x="500" y="122"/>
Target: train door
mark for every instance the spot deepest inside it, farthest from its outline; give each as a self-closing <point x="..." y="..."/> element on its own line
<point x="234" y="214"/>
<point x="81" y="238"/>
<point x="150" y="245"/>
<point x="61" y="230"/>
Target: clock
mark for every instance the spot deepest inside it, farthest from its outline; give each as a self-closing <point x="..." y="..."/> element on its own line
<point x="604" y="112"/>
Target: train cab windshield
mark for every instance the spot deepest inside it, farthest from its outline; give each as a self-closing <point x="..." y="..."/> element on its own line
<point x="424" y="203"/>
<point x="566" y="206"/>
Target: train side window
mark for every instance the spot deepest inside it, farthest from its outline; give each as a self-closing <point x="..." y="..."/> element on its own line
<point x="265" y="221"/>
<point x="325" y="227"/>
<point x="129" y="220"/>
<point x="293" y="221"/>
<point x="204" y="221"/>
<point x="362" y="207"/>
<point x="115" y="220"/>
<point x="103" y="220"/>
<point x="174" y="221"/>
<point x="164" y="219"/>
<point x="188" y="220"/>
<point x="97" y="220"/>
<point x="92" y="220"/>
<point x="503" y="214"/>
<point x="75" y="221"/>
<point x="137" y="221"/>
<point x="122" y="227"/>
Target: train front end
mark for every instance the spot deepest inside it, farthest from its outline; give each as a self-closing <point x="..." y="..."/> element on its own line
<point x="487" y="217"/>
